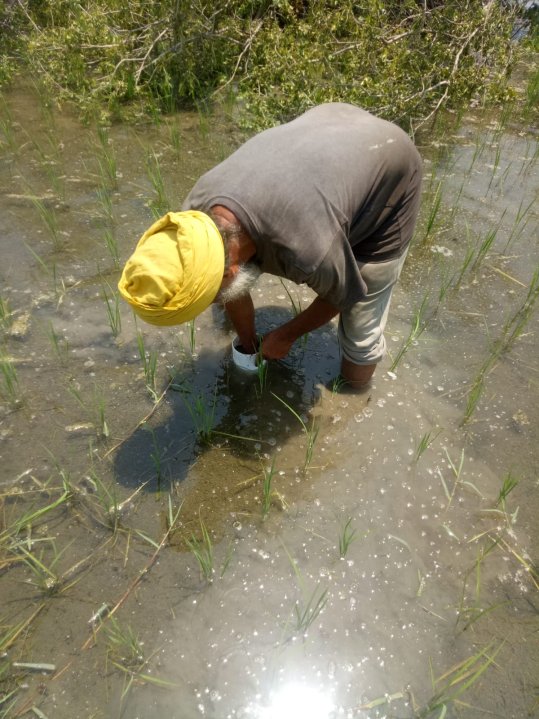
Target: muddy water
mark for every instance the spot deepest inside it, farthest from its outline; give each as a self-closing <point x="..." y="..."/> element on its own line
<point x="438" y="571"/>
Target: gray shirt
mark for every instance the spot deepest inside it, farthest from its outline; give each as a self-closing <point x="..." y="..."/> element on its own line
<point x="318" y="194"/>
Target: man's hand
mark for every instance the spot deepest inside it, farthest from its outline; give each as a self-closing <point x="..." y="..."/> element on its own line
<point x="277" y="343"/>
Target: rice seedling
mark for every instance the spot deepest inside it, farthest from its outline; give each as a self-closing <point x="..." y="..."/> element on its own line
<point x="112" y="306"/>
<point x="149" y="365"/>
<point x="6" y="126"/>
<point x="111" y="244"/>
<point x="203" y="415"/>
<point x="455" y="202"/>
<point x="495" y="166"/>
<point x="105" y="201"/>
<point x="516" y="324"/>
<point x="425" y="442"/>
<point x="203" y="119"/>
<point x="337" y="384"/>
<point x="124" y="651"/>
<point x="457" y="471"/>
<point x="192" y="336"/>
<point x="45" y="578"/>
<point x="520" y="222"/>
<point x="479" y="148"/>
<point x="446" y="280"/>
<point x="500" y="507"/>
<point x="267" y="490"/>
<point x="176" y="138"/>
<point x="100" y="420"/>
<point x="468" y="615"/>
<point x="347" y="536"/>
<point x="6" y="315"/>
<point x="157" y="456"/>
<point x="418" y="326"/>
<point x="432" y="217"/>
<point x="508" y="484"/>
<point x="308" y="611"/>
<point x="10" y="380"/>
<point x="202" y="550"/>
<point x="484" y="247"/>
<point x="475" y="392"/>
<point x="468" y="257"/>
<point x="60" y="345"/>
<point x="311" y="433"/>
<point x="381" y="701"/>
<point x="160" y="203"/>
<point x="107" y="162"/>
<point x="58" y="284"/>
<point x="453" y="683"/>
<point x="513" y="328"/>
<point x="296" y="309"/>
<point x="110" y="509"/>
<point x="48" y="217"/>
<point x="261" y="370"/>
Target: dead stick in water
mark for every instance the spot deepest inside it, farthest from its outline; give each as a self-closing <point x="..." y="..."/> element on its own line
<point x="139" y="424"/>
<point x="144" y="571"/>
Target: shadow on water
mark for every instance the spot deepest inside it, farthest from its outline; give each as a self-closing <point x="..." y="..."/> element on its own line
<point x="219" y="424"/>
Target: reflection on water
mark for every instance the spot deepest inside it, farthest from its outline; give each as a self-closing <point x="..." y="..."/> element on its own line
<point x="294" y="700"/>
<point x="380" y="581"/>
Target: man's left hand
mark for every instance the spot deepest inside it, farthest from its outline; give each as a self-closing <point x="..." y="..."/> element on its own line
<point x="276" y="344"/>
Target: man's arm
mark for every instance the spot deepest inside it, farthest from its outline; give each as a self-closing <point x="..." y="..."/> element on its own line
<point x="241" y="313"/>
<point x="277" y="344"/>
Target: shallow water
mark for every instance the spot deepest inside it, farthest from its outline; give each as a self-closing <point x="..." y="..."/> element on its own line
<point x="440" y="568"/>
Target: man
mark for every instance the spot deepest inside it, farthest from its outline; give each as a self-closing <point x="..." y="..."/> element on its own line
<point x="329" y="199"/>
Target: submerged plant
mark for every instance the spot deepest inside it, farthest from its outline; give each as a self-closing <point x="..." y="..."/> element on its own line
<point x="267" y="490"/>
<point x="10" y="379"/>
<point x="112" y="306"/>
<point x="105" y="200"/>
<point x="48" y="217"/>
<point x="454" y="682"/>
<point x="160" y="203"/>
<point x="157" y="456"/>
<point x="433" y="211"/>
<point x="59" y="344"/>
<point x="484" y="247"/>
<point x="424" y="443"/>
<point x="107" y="162"/>
<point x="296" y="309"/>
<point x="310" y="433"/>
<point x="520" y="222"/>
<point x="347" y="536"/>
<point x="309" y="610"/>
<point x="203" y="415"/>
<point x="419" y="325"/>
<point x="149" y="365"/>
<point x="202" y="549"/>
<point x="6" y="315"/>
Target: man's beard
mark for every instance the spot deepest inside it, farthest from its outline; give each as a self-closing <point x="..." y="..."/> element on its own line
<point x="241" y="285"/>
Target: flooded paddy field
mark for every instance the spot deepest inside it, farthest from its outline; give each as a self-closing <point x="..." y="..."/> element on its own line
<point x="180" y="539"/>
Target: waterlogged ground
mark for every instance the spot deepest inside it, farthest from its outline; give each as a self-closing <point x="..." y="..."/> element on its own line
<point x="392" y="572"/>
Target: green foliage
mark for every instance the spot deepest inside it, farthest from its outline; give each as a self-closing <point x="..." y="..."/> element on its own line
<point x="402" y="60"/>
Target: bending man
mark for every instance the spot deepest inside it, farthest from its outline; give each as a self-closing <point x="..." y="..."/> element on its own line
<point x="329" y="199"/>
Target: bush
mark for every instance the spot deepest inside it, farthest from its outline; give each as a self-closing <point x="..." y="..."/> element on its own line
<point x="401" y="59"/>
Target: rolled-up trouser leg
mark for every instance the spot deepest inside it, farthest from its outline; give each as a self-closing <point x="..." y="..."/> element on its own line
<point x="361" y="327"/>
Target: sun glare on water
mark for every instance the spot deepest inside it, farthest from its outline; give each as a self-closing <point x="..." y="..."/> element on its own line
<point x="297" y="701"/>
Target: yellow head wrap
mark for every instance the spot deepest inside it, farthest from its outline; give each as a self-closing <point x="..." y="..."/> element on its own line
<point x="176" y="269"/>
